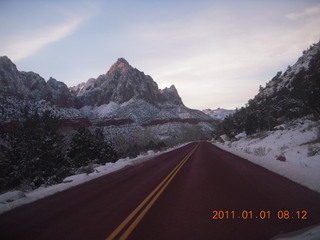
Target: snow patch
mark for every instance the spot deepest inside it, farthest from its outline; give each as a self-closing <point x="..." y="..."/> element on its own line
<point x="310" y="233"/>
<point x="291" y="150"/>
<point x="218" y="114"/>
<point x="241" y="135"/>
<point x="106" y="109"/>
<point x="11" y="200"/>
<point x="11" y="196"/>
<point x="77" y="177"/>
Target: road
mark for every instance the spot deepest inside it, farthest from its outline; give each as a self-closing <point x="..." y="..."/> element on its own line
<point x="176" y="195"/>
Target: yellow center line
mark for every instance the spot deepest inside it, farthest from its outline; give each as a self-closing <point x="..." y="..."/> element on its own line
<point x="154" y="195"/>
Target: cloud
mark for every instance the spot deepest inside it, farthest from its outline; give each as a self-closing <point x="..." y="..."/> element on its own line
<point x="20" y="47"/>
<point x="221" y="50"/>
<point x="305" y="13"/>
<point x="25" y="35"/>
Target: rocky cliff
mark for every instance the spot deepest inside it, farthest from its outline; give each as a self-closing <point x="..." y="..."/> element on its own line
<point x="121" y="84"/>
<point x="123" y="98"/>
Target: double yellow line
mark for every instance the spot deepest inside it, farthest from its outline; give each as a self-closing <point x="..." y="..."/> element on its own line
<point x="147" y="203"/>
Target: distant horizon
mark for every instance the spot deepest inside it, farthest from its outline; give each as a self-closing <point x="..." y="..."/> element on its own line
<point x="217" y="54"/>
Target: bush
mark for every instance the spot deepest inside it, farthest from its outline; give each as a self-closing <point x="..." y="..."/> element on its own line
<point x="260" y="151"/>
<point x="32" y="154"/>
<point x="313" y="149"/>
<point x="87" y="147"/>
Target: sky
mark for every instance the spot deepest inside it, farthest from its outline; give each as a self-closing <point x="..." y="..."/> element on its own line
<point x="216" y="52"/>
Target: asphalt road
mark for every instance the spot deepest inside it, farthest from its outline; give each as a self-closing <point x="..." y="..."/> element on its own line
<point x="195" y="192"/>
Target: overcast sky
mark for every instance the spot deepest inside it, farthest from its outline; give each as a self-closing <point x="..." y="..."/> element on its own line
<point x="216" y="53"/>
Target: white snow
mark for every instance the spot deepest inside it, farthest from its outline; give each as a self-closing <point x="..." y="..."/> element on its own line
<point x="310" y="233"/>
<point x="298" y="142"/>
<point x="105" y="109"/>
<point x="241" y="135"/>
<point x="77" y="177"/>
<point x="285" y="80"/>
<point x="13" y="199"/>
<point x="184" y="115"/>
<point x="219" y="113"/>
<point x="11" y="196"/>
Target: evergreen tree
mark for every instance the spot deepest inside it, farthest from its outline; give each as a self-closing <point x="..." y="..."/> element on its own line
<point x="81" y="148"/>
<point x="33" y="153"/>
<point x="87" y="147"/>
<point x="104" y="152"/>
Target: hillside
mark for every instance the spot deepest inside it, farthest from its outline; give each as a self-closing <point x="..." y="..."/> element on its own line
<point x="291" y="150"/>
<point x="122" y="93"/>
<point x="122" y="96"/>
<point x="124" y="102"/>
<point x="279" y="128"/>
<point x="288" y="96"/>
<point x="219" y="113"/>
<point x="49" y="131"/>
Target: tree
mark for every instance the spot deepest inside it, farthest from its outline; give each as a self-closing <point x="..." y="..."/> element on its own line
<point x="81" y="148"/>
<point x="87" y="148"/>
<point x="33" y="153"/>
<point x="103" y="149"/>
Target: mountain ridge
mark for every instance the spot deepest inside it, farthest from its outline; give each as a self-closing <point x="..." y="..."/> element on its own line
<point x="30" y="85"/>
<point x="120" y="84"/>
<point x="123" y="98"/>
<point x="286" y="79"/>
<point x="219" y="113"/>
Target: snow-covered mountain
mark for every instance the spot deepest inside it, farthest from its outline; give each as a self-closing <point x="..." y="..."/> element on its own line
<point x="123" y="97"/>
<point x="31" y="86"/>
<point x="219" y="113"/>
<point x="301" y="74"/>
<point x="121" y="84"/>
<point x="288" y="96"/>
<point x="125" y="92"/>
<point x="291" y="150"/>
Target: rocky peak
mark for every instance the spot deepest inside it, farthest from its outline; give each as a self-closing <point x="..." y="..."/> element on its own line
<point x="122" y="83"/>
<point x="10" y="79"/>
<point x="7" y="65"/>
<point x="121" y="65"/>
<point x="55" y="85"/>
<point x="172" y="94"/>
<point x="31" y="86"/>
<point x="59" y="93"/>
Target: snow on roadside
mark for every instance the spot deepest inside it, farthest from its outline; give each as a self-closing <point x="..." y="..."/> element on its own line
<point x="11" y="196"/>
<point x="310" y="233"/>
<point x="13" y="199"/>
<point x="291" y="150"/>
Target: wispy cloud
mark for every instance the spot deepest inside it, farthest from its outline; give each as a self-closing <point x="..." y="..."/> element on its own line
<point x="305" y="13"/>
<point x="19" y="47"/>
<point x="25" y="38"/>
<point x="216" y="48"/>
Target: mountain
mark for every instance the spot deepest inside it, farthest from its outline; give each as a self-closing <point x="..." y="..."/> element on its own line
<point x="288" y="96"/>
<point x="125" y="102"/>
<point x="121" y="84"/>
<point x="125" y="92"/>
<point x="219" y="113"/>
<point x="302" y="74"/>
<point x="30" y="85"/>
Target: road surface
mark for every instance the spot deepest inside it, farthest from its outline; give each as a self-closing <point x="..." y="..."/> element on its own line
<point x="195" y="192"/>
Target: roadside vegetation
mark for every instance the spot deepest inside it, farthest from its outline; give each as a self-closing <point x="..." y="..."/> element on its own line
<point x="35" y="153"/>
